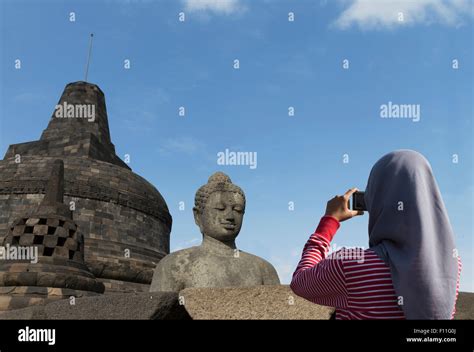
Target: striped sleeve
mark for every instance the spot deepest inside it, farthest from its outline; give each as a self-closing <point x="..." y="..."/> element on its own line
<point x="316" y="278"/>
<point x="457" y="286"/>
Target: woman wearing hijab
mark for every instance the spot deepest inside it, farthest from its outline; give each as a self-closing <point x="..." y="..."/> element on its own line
<point x="411" y="269"/>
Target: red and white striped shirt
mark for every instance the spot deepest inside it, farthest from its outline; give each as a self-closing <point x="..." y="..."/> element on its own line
<point x="355" y="281"/>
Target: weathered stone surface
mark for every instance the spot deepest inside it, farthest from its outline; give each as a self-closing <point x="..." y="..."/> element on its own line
<point x="130" y="216"/>
<point x="117" y="210"/>
<point x="60" y="263"/>
<point x="134" y="306"/>
<point x="17" y="297"/>
<point x="465" y="306"/>
<point x="218" y="211"/>
<point x="259" y="302"/>
<point x="273" y="302"/>
<point x="54" y="192"/>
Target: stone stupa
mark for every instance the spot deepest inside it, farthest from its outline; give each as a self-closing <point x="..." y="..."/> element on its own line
<point x="48" y="263"/>
<point x="124" y="219"/>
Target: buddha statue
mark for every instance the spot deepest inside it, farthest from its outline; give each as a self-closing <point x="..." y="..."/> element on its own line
<point x="218" y="212"/>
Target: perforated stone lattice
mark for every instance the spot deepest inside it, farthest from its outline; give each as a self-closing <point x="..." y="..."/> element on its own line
<point x="53" y="237"/>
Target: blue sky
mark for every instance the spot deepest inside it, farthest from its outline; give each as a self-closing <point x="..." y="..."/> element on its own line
<point x="282" y="64"/>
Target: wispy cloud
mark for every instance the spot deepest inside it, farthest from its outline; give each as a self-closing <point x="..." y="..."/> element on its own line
<point x="184" y="145"/>
<point x="222" y="7"/>
<point x="28" y="97"/>
<point x="285" y="264"/>
<point x="379" y="14"/>
<point x="138" y="114"/>
<point x="186" y="244"/>
<point x="299" y="65"/>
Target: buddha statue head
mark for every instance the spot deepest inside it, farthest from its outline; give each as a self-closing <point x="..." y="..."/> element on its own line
<point x="219" y="208"/>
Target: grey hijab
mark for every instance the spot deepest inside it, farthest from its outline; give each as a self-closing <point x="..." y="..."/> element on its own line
<point x="409" y="229"/>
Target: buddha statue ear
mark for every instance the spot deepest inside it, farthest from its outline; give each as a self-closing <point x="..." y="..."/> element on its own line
<point x="197" y="217"/>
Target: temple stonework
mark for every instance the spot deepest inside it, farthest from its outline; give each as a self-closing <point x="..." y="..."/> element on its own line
<point x="51" y="265"/>
<point x="124" y="220"/>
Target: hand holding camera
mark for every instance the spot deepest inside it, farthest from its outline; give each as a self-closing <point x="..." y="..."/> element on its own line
<point x="338" y="207"/>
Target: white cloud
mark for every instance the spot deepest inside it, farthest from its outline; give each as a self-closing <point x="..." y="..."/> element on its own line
<point x="225" y="7"/>
<point x="286" y="264"/>
<point x="186" y="145"/>
<point x="186" y="244"/>
<point x="373" y="14"/>
<point x="27" y="97"/>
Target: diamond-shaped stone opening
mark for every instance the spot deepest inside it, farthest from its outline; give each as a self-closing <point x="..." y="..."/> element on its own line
<point x="47" y="251"/>
<point x="21" y="222"/>
<point x="38" y="240"/>
<point x="61" y="241"/>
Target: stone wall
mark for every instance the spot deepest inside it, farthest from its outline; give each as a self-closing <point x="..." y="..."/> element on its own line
<point x="261" y="302"/>
<point x="124" y="219"/>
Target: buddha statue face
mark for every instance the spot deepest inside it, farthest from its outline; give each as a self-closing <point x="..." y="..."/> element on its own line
<point x="221" y="217"/>
<point x="219" y="208"/>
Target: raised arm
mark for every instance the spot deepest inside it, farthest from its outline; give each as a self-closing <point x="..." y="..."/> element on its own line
<point x="316" y="278"/>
